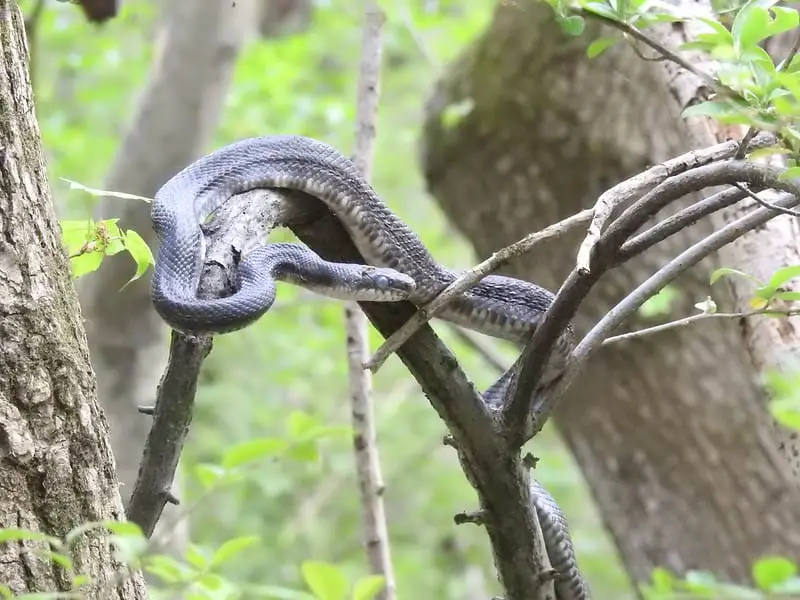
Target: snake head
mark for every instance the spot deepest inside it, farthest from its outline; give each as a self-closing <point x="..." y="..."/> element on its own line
<point x="386" y="284"/>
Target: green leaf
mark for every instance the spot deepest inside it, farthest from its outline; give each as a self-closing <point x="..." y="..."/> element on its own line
<point x="232" y="547"/>
<point x="600" y="45"/>
<point x="786" y="411"/>
<point x="300" y="424"/>
<point x="140" y="252"/>
<point x="326" y="581"/>
<point x="767" y="152"/>
<point x="659" y="304"/>
<point x="773" y="570"/>
<point x="750" y="26"/>
<point x="253" y="450"/>
<point x="720" y="33"/>
<point x="663" y="580"/>
<point x="211" y="581"/>
<point x="783" y="275"/>
<point x="307" y="451"/>
<point x="573" y="25"/>
<point x="723" y="271"/>
<point x="209" y="474"/>
<point x="86" y="263"/>
<point x="166" y="568"/>
<point x="197" y="557"/>
<point x="791" y="173"/>
<point x="369" y="587"/>
<point x="124" y="528"/>
<point x="787" y="296"/>
<point x="708" y="109"/>
<point x="18" y="534"/>
<point x="62" y="560"/>
<point x="453" y="114"/>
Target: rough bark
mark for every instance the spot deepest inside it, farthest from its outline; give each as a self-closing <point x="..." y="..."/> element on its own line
<point x="175" y="116"/>
<point x="56" y="466"/>
<point x="671" y="431"/>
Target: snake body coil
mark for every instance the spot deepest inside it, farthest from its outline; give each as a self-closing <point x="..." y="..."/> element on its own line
<point x="498" y="306"/>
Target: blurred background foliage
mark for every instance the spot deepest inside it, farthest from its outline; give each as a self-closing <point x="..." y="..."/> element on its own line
<point x="86" y="81"/>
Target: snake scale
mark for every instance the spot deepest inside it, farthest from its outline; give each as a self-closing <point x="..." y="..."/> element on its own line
<point x="400" y="267"/>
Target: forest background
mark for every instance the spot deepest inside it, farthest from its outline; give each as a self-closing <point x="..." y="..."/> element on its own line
<point x="87" y="80"/>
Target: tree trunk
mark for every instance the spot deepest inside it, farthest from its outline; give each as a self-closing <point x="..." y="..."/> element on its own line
<point x="56" y="466"/>
<point x="176" y="115"/>
<point x="671" y="430"/>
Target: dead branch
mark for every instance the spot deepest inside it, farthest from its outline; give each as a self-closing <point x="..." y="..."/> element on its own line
<point x="368" y="469"/>
<point x="638" y="185"/>
<point x="527" y="408"/>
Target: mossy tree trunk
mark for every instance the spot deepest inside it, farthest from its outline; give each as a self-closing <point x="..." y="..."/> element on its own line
<point x="56" y="467"/>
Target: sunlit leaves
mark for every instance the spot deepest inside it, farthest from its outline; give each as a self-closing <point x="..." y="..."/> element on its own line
<point x="88" y="242"/>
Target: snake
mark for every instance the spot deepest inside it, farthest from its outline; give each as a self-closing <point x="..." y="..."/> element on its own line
<point x="399" y="266"/>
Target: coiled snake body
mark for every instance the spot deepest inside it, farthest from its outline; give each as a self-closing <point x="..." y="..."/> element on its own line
<point x="498" y="306"/>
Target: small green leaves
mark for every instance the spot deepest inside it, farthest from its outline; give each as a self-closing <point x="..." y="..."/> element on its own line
<point x="573" y="25"/>
<point x="326" y="581"/>
<point x="231" y="548"/>
<point x="369" y="587"/>
<point x="659" y="304"/>
<point x="253" y="450"/>
<point x="88" y="242"/>
<point x="454" y="113"/>
<point x="772" y="571"/>
<point x="600" y="45"/>
<point x="725" y="271"/>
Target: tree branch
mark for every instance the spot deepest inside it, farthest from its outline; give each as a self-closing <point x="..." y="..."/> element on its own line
<point x="638" y="185"/>
<point x="531" y="397"/>
<point x="468" y="279"/>
<point x="368" y="469"/>
<point x="668" y="273"/>
<point x="693" y="319"/>
<point x="237" y="228"/>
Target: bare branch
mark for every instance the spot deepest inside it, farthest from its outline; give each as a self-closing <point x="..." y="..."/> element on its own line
<point x="668" y="273"/>
<point x="368" y="469"/>
<point x="766" y="204"/>
<point x="468" y="279"/>
<point x="642" y="183"/>
<point x="693" y="319"/>
<point x="663" y="51"/>
<point x="684" y="218"/>
<point x="529" y="405"/>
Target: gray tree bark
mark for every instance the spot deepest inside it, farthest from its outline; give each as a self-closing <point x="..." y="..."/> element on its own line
<point x="671" y="430"/>
<point x="175" y="117"/>
<point x="56" y="466"/>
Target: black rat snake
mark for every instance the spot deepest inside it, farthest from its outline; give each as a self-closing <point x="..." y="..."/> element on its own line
<point x="401" y="268"/>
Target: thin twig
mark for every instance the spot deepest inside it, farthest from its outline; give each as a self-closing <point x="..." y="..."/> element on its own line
<point x="633" y="188"/>
<point x="693" y="319"/>
<point x="678" y="222"/>
<point x="660" y="49"/>
<point x="468" y="279"/>
<point x="368" y="470"/>
<point x="766" y="204"/>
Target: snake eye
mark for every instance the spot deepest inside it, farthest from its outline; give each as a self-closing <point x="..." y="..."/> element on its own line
<point x="382" y="281"/>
